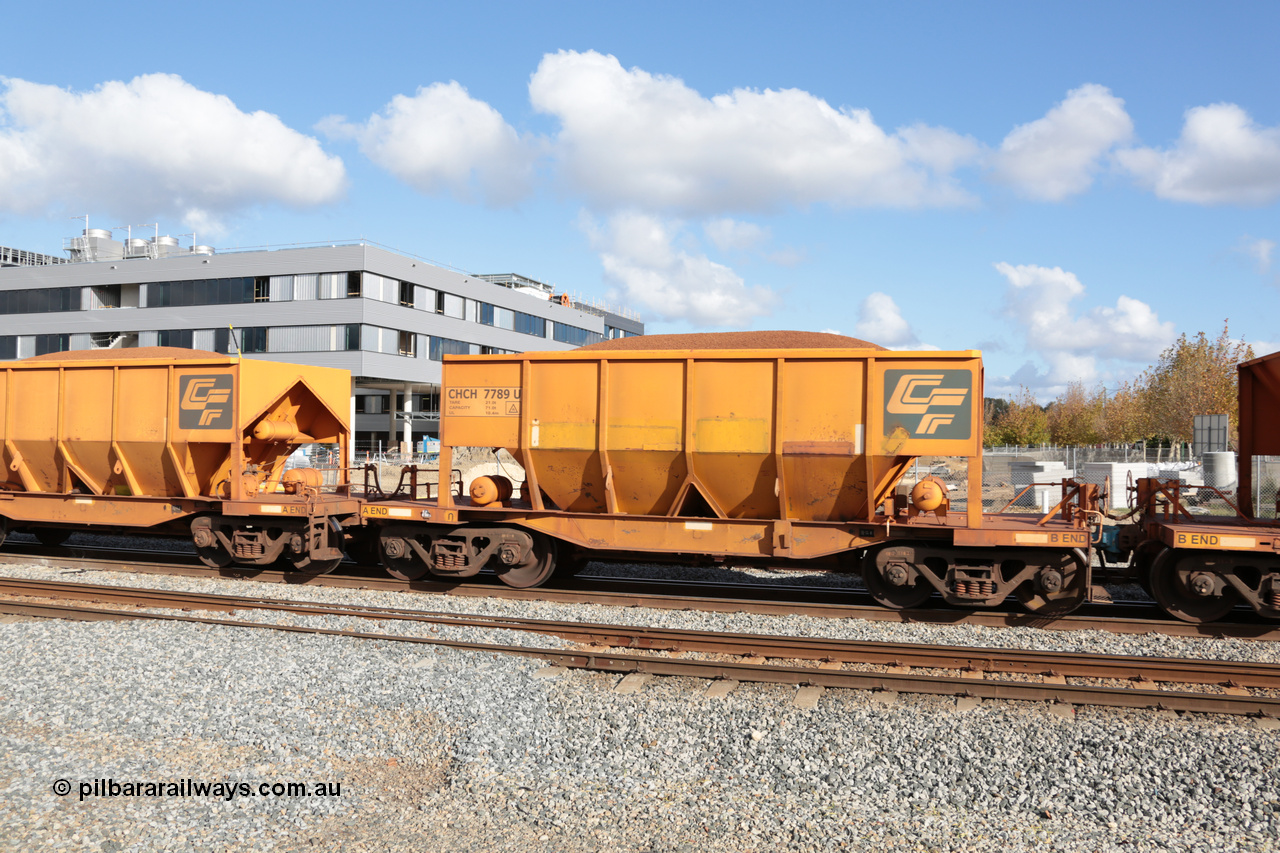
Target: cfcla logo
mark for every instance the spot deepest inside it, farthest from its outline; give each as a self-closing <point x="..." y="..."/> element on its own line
<point x="919" y="396"/>
<point x="205" y="402"/>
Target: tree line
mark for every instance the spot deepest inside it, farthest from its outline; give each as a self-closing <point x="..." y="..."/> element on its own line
<point x="1194" y="376"/>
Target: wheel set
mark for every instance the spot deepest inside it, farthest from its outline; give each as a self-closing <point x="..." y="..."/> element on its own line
<point x="1047" y="583"/>
<point x="308" y="548"/>
<point x="520" y="558"/>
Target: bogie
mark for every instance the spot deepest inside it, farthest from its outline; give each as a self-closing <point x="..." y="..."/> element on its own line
<point x="520" y="558"/>
<point x="1046" y="582"/>
<point x="308" y="546"/>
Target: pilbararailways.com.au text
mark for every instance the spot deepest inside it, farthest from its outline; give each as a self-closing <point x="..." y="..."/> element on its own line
<point x="226" y="790"/>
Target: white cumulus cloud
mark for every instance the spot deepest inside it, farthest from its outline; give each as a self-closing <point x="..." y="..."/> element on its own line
<point x="880" y="321"/>
<point x="1258" y="250"/>
<point x="1222" y="157"/>
<point x="1261" y="348"/>
<point x="731" y="234"/>
<point x="1041" y="300"/>
<point x="443" y="140"/>
<point x="641" y="259"/>
<point x="632" y="139"/>
<point x="1058" y="155"/>
<point x="154" y="145"/>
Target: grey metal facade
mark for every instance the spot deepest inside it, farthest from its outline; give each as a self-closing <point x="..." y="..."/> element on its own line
<point x="295" y="329"/>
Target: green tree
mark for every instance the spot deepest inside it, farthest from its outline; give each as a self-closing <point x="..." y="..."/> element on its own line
<point x="992" y="409"/>
<point x="1122" y="416"/>
<point x="1023" y="422"/>
<point x="1073" y="417"/>
<point x="1195" y="376"/>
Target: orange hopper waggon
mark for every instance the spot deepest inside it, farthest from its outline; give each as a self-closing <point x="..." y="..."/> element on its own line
<point x="175" y="441"/>
<point x="779" y="454"/>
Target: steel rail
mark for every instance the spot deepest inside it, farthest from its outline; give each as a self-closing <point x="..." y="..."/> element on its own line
<point x="154" y="563"/>
<point x="780" y="647"/>
<point x="1122" y="697"/>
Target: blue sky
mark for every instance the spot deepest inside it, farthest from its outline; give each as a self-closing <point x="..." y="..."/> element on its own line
<point x="1067" y="187"/>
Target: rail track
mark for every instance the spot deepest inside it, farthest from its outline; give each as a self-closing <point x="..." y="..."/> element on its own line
<point x="811" y="663"/>
<point x="761" y="598"/>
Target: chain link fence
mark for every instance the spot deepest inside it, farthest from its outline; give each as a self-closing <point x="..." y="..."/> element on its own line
<point x="1030" y="480"/>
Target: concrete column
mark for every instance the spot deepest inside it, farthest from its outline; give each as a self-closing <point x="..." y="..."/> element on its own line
<point x="351" y="440"/>
<point x="391" y="422"/>
<point x="407" y="440"/>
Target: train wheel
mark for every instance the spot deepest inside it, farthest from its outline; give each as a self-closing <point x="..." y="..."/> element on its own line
<point x="1178" y="582"/>
<point x="1057" y="589"/>
<point x="540" y="566"/>
<point x="51" y="537"/>
<point x="209" y="547"/>
<point x="399" y="559"/>
<point x="4" y="528"/>
<point x="889" y="584"/>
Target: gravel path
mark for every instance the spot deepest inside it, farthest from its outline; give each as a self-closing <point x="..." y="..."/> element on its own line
<point x="453" y="751"/>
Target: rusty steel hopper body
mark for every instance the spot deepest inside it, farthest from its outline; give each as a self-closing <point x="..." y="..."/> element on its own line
<point x="766" y="438"/>
<point x="139" y="438"/>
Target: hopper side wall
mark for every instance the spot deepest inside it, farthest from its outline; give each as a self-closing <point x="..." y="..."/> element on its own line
<point x="812" y="435"/>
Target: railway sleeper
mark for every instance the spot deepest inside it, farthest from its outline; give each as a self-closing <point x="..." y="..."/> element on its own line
<point x="1046" y="582"/>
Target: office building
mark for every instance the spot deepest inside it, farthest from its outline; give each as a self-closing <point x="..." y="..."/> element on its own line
<point x="385" y="316"/>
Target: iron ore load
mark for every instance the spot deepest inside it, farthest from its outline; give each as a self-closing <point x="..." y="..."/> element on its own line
<point x="168" y="440"/>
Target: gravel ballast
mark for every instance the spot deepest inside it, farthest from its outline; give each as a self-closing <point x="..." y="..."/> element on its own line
<point x="446" y="750"/>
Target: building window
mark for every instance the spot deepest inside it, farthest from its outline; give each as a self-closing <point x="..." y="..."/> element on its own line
<point x="451" y="305"/>
<point x="406" y="294"/>
<point x="530" y="325"/>
<point x="566" y="334"/>
<point x="429" y="402"/>
<point x="211" y="291"/>
<point x="353" y="285"/>
<point x="42" y="301"/>
<point x="442" y="346"/>
<point x="516" y="321"/>
<point x="408" y="343"/>
<point x="52" y="343"/>
<point x="370" y="404"/>
<point x="253" y="339"/>
<point x="8" y="346"/>
<point x="174" y="338"/>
